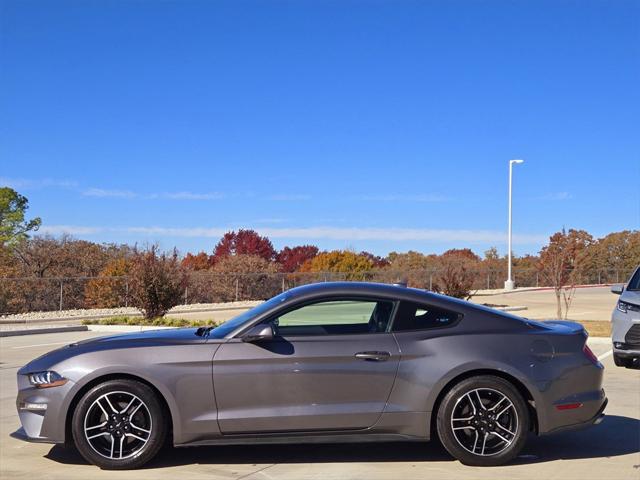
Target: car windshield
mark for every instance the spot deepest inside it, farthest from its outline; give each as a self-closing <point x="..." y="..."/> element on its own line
<point x="634" y="283"/>
<point x="229" y="326"/>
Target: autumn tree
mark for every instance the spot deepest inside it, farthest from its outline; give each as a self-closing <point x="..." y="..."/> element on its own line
<point x="244" y="242"/>
<point x="376" y="260"/>
<point x="560" y="264"/>
<point x="11" y="298"/>
<point x="200" y="261"/>
<point x="13" y="226"/>
<point x="110" y="289"/>
<point x="292" y="258"/>
<point x="618" y="251"/>
<point x="351" y="264"/>
<point x="412" y="267"/>
<point x="245" y="277"/>
<point x="156" y="281"/>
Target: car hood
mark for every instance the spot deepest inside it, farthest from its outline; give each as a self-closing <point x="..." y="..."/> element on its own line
<point x="172" y="336"/>
<point x="631" y="296"/>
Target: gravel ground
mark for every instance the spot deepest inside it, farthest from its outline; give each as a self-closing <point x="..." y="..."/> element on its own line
<point x="79" y="314"/>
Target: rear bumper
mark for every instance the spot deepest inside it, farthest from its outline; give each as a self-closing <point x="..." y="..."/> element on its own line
<point x="594" y="420"/>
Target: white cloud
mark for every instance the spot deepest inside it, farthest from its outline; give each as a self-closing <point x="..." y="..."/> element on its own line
<point x="317" y="233"/>
<point x="194" y="196"/>
<point x="36" y="183"/>
<point x="102" y="193"/>
<point x="105" y="193"/>
<point x="70" y="229"/>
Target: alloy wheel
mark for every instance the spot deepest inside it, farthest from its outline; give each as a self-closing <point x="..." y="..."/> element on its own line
<point x="118" y="425"/>
<point x="484" y="421"/>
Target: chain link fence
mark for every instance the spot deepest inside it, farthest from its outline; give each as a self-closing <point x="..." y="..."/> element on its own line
<point x="27" y="294"/>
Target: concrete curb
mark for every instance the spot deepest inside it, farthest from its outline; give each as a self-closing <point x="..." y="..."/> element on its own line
<point x="35" y="331"/>
<point x="499" y="291"/>
<point x="515" y="308"/>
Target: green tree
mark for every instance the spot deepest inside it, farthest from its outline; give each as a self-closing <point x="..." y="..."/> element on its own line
<point x="13" y="226"/>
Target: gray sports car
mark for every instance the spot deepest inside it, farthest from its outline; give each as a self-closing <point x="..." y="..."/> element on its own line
<point x="330" y="362"/>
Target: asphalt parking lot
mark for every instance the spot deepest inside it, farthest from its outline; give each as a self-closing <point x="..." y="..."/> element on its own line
<point x="610" y="450"/>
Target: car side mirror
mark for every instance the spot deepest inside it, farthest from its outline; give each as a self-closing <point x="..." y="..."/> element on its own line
<point x="617" y="289"/>
<point x="259" y="333"/>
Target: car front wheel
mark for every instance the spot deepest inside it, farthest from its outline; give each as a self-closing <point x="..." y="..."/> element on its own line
<point x="119" y="424"/>
<point x="483" y="421"/>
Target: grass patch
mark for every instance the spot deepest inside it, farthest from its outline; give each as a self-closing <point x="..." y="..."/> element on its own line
<point x="596" y="328"/>
<point x="150" y="322"/>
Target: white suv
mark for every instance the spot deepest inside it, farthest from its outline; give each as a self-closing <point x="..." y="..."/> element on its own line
<point x="625" y="331"/>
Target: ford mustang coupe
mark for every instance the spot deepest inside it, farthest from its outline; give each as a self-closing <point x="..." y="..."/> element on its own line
<point x="329" y="362"/>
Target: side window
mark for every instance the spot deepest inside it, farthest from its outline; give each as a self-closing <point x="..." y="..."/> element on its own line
<point x="335" y="318"/>
<point x="412" y="316"/>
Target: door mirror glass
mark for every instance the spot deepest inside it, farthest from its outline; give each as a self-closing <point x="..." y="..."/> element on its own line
<point x="258" y="333"/>
<point x="617" y="289"/>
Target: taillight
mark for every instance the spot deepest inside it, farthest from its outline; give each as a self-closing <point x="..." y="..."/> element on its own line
<point x="589" y="354"/>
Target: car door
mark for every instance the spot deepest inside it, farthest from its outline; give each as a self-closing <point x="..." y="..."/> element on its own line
<point x="330" y="366"/>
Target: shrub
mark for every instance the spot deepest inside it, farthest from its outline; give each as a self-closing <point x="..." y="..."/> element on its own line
<point x="456" y="273"/>
<point x="156" y="282"/>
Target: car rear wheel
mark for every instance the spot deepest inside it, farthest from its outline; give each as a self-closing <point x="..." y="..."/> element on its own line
<point x="483" y="421"/>
<point x="119" y="424"/>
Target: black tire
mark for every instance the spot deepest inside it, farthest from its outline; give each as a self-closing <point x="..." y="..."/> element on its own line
<point x="135" y="434"/>
<point x="473" y="426"/>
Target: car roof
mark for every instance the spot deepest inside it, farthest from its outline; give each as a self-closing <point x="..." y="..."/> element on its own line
<point x="363" y="288"/>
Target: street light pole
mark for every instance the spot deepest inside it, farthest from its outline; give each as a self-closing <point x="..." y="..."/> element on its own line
<point x="508" y="284"/>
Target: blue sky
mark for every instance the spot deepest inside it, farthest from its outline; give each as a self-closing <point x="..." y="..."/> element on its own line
<point x="364" y="124"/>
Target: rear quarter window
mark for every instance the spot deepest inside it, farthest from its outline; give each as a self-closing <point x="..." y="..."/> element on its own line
<point x="413" y="316"/>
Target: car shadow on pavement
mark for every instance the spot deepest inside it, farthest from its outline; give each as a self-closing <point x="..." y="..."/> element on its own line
<point x="615" y="436"/>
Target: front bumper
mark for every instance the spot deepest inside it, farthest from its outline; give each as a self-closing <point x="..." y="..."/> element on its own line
<point x="41" y="412"/>
<point x="21" y="434"/>
<point x="626" y="350"/>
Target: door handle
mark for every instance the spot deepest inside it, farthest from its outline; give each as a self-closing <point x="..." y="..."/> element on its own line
<point x="373" y="356"/>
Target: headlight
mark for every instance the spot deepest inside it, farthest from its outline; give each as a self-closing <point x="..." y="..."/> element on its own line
<point x="622" y="306"/>
<point x="627" y="307"/>
<point x="46" y="379"/>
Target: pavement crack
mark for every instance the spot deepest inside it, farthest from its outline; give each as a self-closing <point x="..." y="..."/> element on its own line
<point x="257" y="471"/>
